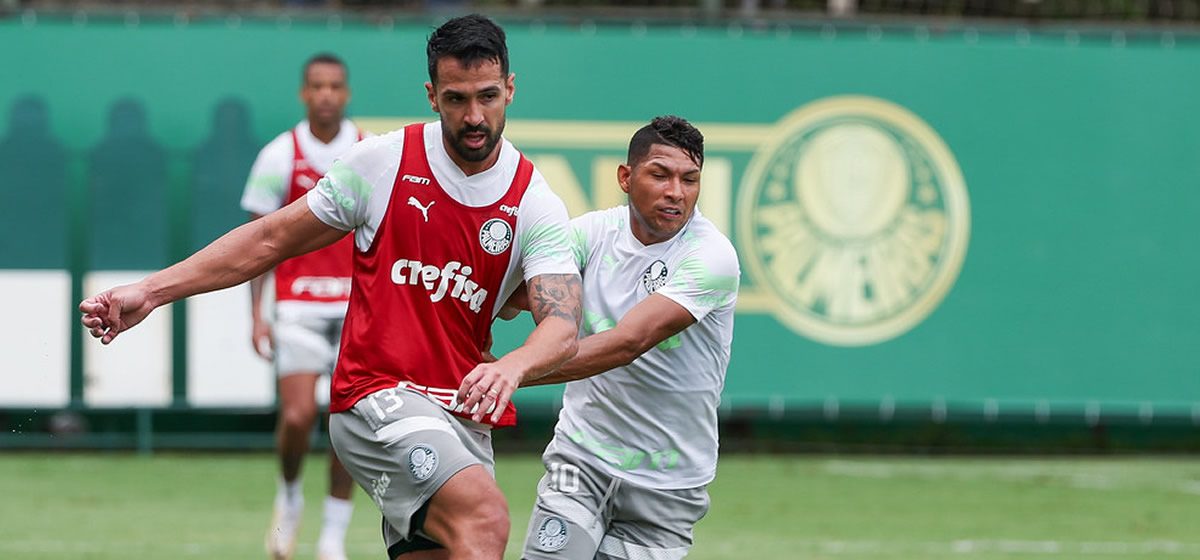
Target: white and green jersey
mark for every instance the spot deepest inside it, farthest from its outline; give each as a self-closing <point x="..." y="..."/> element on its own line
<point x="653" y="422"/>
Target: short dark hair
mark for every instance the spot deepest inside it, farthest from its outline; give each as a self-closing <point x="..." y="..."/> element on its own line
<point x="472" y="39"/>
<point x="669" y="130"/>
<point x="322" y="58"/>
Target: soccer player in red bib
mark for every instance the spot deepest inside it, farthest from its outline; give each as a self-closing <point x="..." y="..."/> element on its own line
<point x="311" y="294"/>
<point x="448" y="218"/>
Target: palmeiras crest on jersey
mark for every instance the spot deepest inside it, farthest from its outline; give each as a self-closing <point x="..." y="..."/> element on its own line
<point x="422" y="461"/>
<point x="655" y="276"/>
<point x="552" y="534"/>
<point x="495" y="236"/>
<point x="853" y="218"/>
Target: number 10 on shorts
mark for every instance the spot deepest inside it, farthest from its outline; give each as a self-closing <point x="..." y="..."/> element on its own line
<point x="564" y="477"/>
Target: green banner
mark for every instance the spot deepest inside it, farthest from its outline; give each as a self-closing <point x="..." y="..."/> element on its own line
<point x="992" y="222"/>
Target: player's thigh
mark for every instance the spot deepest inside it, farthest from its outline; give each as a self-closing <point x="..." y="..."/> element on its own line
<point x="401" y="448"/>
<point x="305" y="343"/>
<point x="651" y="523"/>
<point x="296" y="392"/>
<point x="569" y="516"/>
<point x="469" y="503"/>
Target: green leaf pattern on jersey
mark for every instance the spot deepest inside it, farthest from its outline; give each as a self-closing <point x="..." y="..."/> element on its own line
<point x="596" y="323"/>
<point x="671" y="343"/>
<point x="579" y="246"/>
<point x="615" y="220"/>
<point x="545" y="239"/>
<point x="611" y="262"/>
<point x="351" y="189"/>
<point x="625" y="458"/>
<point x="719" y="288"/>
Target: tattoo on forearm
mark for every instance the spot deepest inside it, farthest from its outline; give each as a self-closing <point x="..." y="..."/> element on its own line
<point x="556" y="295"/>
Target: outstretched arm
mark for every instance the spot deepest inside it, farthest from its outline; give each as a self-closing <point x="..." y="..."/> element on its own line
<point x="242" y="254"/>
<point x="261" y="337"/>
<point x="650" y="322"/>
<point x="554" y="301"/>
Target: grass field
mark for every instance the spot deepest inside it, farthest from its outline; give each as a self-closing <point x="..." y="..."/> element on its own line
<point x="115" y="506"/>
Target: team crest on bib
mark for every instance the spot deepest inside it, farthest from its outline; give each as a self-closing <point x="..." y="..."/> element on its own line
<point x="422" y="461"/>
<point x="552" y="534"/>
<point x="495" y="236"/>
<point x="655" y="276"/>
<point x="853" y="218"/>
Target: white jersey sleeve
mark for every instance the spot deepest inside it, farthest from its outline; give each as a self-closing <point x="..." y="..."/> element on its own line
<point x="354" y="194"/>
<point x="577" y="240"/>
<point x="707" y="275"/>
<point x="543" y="231"/>
<point x="266" y="188"/>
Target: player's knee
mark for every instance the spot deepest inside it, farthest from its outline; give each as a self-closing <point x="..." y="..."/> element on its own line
<point x="485" y="529"/>
<point x="298" y="418"/>
<point x="492" y="521"/>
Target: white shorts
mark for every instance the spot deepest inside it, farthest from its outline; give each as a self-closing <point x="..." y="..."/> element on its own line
<point x="401" y="447"/>
<point x="583" y="513"/>
<point x="306" y="343"/>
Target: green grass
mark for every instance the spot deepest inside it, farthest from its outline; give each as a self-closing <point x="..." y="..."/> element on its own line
<point x="115" y="506"/>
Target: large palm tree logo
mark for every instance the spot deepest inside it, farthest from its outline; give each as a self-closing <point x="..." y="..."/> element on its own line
<point x="854" y="217"/>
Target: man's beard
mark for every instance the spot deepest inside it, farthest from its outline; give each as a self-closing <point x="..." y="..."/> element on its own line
<point x="458" y="141"/>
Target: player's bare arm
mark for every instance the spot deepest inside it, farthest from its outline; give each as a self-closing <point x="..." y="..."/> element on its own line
<point x="555" y="302"/>
<point x="555" y="296"/>
<point x="261" y="337"/>
<point x="241" y="254"/>
<point x="517" y="302"/>
<point x="650" y="322"/>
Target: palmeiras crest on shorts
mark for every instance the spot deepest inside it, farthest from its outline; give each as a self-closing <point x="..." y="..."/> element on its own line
<point x="853" y="219"/>
<point x="422" y="461"/>
<point x="495" y="236"/>
<point x="655" y="276"/>
<point x="552" y="534"/>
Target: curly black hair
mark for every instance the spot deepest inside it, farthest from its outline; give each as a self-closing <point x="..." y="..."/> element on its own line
<point x="669" y="130"/>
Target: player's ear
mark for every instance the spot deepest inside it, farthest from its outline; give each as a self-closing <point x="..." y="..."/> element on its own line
<point x="624" y="175"/>
<point x="432" y="93"/>
<point x="510" y="85"/>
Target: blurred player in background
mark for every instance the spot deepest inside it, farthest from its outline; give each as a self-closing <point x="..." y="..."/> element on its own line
<point x="635" y="447"/>
<point x="311" y="294"/>
<point x="448" y="219"/>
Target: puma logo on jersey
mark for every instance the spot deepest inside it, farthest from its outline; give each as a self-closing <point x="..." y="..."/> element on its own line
<point x="451" y="278"/>
<point x="510" y="210"/>
<point x="415" y="179"/>
<point x="412" y="201"/>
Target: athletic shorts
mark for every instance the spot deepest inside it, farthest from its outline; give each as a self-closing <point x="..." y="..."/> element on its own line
<point x="306" y="343"/>
<point x="582" y="513"/>
<point x="401" y="447"/>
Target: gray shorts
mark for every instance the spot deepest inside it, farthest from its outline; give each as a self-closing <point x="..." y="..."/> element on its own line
<point x="304" y="343"/>
<point x="401" y="447"/>
<point x="583" y="513"/>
